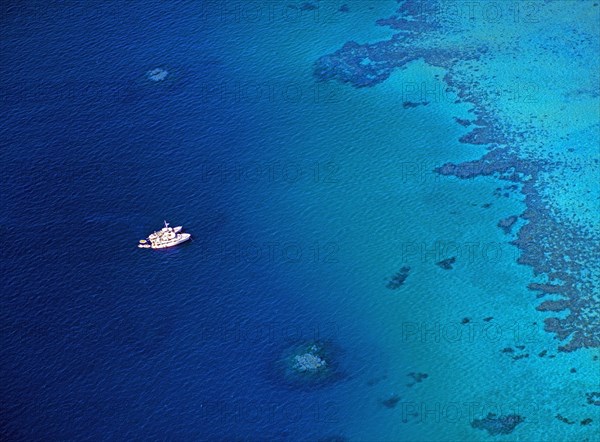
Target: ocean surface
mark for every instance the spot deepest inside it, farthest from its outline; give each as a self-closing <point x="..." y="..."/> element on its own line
<point x="304" y="199"/>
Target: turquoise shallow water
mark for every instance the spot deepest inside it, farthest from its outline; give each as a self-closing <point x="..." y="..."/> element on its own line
<point x="476" y="369"/>
<point x="371" y="207"/>
<point x="304" y="199"/>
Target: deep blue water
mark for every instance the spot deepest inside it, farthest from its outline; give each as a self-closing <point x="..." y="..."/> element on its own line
<point x="298" y="205"/>
<point x="99" y="340"/>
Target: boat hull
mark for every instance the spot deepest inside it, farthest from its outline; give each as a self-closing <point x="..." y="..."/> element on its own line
<point x="180" y="239"/>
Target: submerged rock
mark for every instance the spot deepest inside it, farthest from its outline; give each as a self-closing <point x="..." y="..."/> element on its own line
<point x="417" y="377"/>
<point x="495" y="425"/>
<point x="157" y="74"/>
<point x="391" y="402"/>
<point x="309" y="361"/>
<point x="593" y="398"/>
<point x="307" y="6"/>
<point x="446" y="264"/>
<point x="507" y="224"/>
<point x="463" y="122"/>
<point x="309" y="364"/>
<point x="411" y="104"/>
<point x="399" y="278"/>
<point x="564" y="419"/>
<point x="375" y="381"/>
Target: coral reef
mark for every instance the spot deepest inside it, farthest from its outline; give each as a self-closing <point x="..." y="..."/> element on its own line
<point x="554" y="247"/>
<point x="496" y="425"/>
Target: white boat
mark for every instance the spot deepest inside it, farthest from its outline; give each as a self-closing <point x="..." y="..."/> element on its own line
<point x="165" y="237"/>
